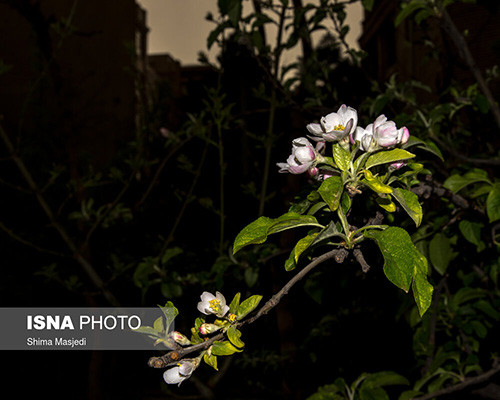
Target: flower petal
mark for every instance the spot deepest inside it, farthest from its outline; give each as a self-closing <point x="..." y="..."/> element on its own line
<point x="172" y="376"/>
<point x="315" y="129"/>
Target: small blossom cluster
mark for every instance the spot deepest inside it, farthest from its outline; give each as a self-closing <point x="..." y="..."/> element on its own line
<point x="208" y="305"/>
<point x="342" y="127"/>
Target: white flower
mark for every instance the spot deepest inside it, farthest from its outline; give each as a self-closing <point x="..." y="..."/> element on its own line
<point x="211" y="304"/>
<point x="335" y="126"/>
<point x="182" y="371"/>
<point x="303" y="157"/>
<point x="381" y="133"/>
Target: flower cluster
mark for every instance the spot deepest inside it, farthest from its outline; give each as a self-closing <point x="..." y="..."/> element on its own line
<point x="208" y="305"/>
<point x="342" y="127"/>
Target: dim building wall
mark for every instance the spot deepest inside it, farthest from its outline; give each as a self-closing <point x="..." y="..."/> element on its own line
<point x="71" y="88"/>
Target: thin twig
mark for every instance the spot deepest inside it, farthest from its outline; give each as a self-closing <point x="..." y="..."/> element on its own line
<point x="464" y="51"/>
<point x="85" y="264"/>
<point x="464" y="384"/>
<point x="172" y="357"/>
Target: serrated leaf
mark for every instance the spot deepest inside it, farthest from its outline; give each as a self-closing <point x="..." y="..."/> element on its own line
<point x="224" y="348"/>
<point x="234" y="335"/>
<point x="247" y="306"/>
<point x="331" y="191"/>
<point x="387" y="156"/>
<point x="409" y="201"/>
<point x="440" y="252"/>
<point x="341" y="157"/>
<point x="404" y="265"/>
<point x="253" y="233"/>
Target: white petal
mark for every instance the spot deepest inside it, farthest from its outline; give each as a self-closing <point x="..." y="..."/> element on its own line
<point x="172" y="376"/>
<point x="202" y="307"/>
<point x="315" y="129"/>
<point x="221" y="298"/>
<point x="332" y="120"/>
<point x="301" y="142"/>
<point x="206" y="296"/>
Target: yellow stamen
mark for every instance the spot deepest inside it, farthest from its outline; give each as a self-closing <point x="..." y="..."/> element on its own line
<point x="232" y="317"/>
<point x="339" y="127"/>
<point x="214" y="304"/>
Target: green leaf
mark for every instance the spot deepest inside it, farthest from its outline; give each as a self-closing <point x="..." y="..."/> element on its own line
<point x="409" y="394"/>
<point x="409" y="9"/>
<point x="253" y="233"/>
<point x="440" y="252"/>
<point x="210" y="360"/>
<point x="258" y="231"/>
<point x="247" y="306"/>
<point x="331" y="191"/>
<point x="373" y="394"/>
<point x="456" y="182"/>
<point x="493" y="204"/>
<point x="303" y="244"/>
<point x="398" y="265"/>
<point x="290" y="263"/>
<point x="328" y="233"/>
<point x="409" y="201"/>
<point x="342" y="157"/>
<point x="291" y="220"/>
<point x="383" y="378"/>
<point x="170" y="313"/>
<point x="234" y="335"/>
<point x="471" y="231"/>
<point x="404" y="265"/>
<point x="375" y="184"/>
<point x="158" y="325"/>
<point x="388" y="156"/>
<point x="224" y="348"/>
<point x="421" y="288"/>
<point x="234" y="303"/>
<point x="386" y="203"/>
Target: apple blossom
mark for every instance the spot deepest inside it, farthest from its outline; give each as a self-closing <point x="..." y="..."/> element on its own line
<point x="335" y="126"/>
<point x="211" y="304"/>
<point x="304" y="157"/>
<point x="382" y="133"/>
<point x="182" y="371"/>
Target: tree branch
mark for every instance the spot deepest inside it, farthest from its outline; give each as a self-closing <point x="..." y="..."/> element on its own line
<point x="464" y="51"/>
<point x="465" y="383"/>
<point x="174" y="356"/>
<point x="86" y="266"/>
